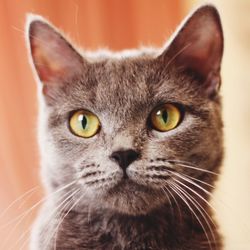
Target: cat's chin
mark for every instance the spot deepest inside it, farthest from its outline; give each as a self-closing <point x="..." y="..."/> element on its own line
<point x="131" y="198"/>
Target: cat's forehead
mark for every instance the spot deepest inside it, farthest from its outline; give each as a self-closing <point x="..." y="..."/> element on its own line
<point x="120" y="85"/>
<point x="128" y="83"/>
<point x="122" y="77"/>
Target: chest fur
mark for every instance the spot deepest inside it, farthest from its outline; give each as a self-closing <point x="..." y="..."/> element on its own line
<point x="100" y="231"/>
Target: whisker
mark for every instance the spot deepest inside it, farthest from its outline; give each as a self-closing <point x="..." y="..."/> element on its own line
<point x="59" y="209"/>
<point x="171" y="205"/>
<point x="22" y="216"/>
<point x="176" y="202"/>
<point x="192" y="182"/>
<point x="58" y="226"/>
<point x="30" y="191"/>
<point x="198" y="204"/>
<point x="201" y="213"/>
<point x="37" y="204"/>
<point x="176" y="190"/>
<point x="187" y="165"/>
<point x="196" y="179"/>
<point x="195" y="191"/>
<point x="26" y="231"/>
<point x="216" y="199"/>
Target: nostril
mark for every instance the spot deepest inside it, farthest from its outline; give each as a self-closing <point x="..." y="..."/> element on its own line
<point x="132" y="155"/>
<point x="117" y="157"/>
<point x="124" y="157"/>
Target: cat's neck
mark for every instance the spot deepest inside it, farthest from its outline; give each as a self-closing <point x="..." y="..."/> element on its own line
<point x="164" y="228"/>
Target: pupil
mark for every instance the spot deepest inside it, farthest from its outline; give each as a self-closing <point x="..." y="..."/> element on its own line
<point x="84" y="122"/>
<point x="165" y="116"/>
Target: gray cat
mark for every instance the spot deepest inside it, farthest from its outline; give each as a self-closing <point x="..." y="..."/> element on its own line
<point x="131" y="142"/>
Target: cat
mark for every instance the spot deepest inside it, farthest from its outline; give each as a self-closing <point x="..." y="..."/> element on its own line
<point x="131" y="142"/>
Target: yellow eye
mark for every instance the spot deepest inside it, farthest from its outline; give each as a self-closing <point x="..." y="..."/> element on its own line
<point x="165" y="117"/>
<point x="84" y="123"/>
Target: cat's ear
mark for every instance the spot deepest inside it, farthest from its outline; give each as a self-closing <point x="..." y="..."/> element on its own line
<point x="53" y="57"/>
<point x="197" y="48"/>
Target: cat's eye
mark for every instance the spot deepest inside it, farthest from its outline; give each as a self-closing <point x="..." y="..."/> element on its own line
<point x="83" y="123"/>
<point x="165" y="117"/>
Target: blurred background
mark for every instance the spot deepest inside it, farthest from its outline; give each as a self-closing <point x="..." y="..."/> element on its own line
<point x="116" y="24"/>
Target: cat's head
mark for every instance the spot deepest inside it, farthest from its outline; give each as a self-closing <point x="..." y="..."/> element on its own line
<point x="130" y="129"/>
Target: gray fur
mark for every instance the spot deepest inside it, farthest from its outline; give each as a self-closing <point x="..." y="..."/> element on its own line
<point x="139" y="212"/>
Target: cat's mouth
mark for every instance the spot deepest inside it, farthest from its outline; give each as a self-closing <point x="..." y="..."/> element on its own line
<point x="128" y="183"/>
<point x="127" y="186"/>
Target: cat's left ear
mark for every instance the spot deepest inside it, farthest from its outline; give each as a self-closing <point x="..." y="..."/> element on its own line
<point x="197" y="48"/>
<point x="54" y="58"/>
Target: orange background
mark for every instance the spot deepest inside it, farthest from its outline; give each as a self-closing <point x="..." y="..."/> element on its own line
<point x="116" y="24"/>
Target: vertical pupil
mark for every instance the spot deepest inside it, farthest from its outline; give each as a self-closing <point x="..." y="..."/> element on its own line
<point x="165" y="115"/>
<point x="84" y="122"/>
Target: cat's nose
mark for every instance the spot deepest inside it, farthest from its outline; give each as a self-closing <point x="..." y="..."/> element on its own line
<point x="124" y="157"/>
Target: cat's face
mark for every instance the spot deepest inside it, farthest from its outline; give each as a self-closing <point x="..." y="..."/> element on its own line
<point x="127" y="128"/>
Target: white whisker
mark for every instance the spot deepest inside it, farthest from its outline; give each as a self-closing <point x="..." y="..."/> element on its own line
<point x="22" y="216"/>
<point x="188" y="165"/>
<point x="54" y="210"/>
<point x="176" y="202"/>
<point x="195" y="191"/>
<point x="201" y="213"/>
<point x="176" y="190"/>
<point x="171" y="205"/>
<point x="30" y="191"/>
<point x="198" y="204"/>
<point x="200" y="181"/>
<point x="61" y="221"/>
<point x="59" y="209"/>
<point x="37" y="204"/>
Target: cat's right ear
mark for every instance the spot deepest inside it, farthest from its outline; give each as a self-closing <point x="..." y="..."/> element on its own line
<point x="53" y="57"/>
<point x="197" y="48"/>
